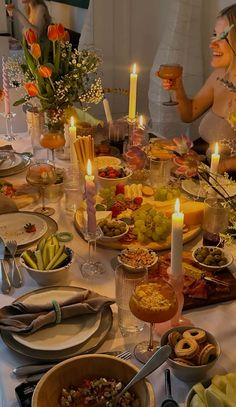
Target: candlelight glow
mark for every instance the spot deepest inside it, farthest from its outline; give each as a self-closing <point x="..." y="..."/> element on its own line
<point x="72" y="121"/>
<point x="177" y="206"/>
<point x="89" y="167"/>
<point x="134" y="68"/>
<point x="141" y="120"/>
<point x="217" y="148"/>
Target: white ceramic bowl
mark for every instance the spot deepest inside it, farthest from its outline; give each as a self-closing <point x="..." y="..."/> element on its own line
<point x="109" y="182"/>
<point x="49" y="277"/>
<point x="192" y="392"/>
<point x="226" y="254"/>
<point x="105" y="238"/>
<point x="73" y="371"/>
<point x="190" y="373"/>
<point x="137" y="254"/>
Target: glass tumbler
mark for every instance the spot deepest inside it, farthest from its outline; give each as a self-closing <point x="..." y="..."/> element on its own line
<point x="72" y="189"/>
<point x="215" y="220"/>
<point x="126" y="280"/>
<point x="160" y="171"/>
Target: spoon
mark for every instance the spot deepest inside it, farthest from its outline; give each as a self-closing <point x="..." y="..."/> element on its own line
<point x="169" y="401"/>
<point x="153" y="363"/>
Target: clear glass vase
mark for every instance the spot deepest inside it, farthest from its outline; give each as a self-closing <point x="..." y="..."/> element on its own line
<point x="35" y="124"/>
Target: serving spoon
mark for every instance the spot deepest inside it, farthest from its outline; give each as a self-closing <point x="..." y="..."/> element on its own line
<point x="153" y="363"/>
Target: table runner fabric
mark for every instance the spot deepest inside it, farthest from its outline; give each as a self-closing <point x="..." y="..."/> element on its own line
<point x="28" y="318"/>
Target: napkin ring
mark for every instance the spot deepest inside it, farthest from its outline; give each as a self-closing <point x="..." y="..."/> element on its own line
<point x="57" y="310"/>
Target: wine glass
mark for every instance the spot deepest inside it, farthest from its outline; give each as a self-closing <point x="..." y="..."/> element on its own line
<point x="42" y="175"/>
<point x="152" y="301"/>
<point x="170" y="71"/>
<point x="52" y="140"/>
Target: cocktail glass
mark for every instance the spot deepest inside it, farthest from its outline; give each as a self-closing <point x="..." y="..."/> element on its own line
<point x="42" y="175"/>
<point x="172" y="72"/>
<point x="152" y="301"/>
<point x="52" y="141"/>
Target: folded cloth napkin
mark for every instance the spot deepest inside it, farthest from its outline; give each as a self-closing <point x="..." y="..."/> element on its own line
<point x="28" y="318"/>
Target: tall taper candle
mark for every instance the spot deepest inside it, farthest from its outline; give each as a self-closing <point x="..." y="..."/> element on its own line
<point x="177" y="241"/>
<point x="133" y="94"/>
<point x="72" y="137"/>
<point x="90" y="191"/>
<point x="107" y="110"/>
<point x="215" y="159"/>
<point x="5" y="87"/>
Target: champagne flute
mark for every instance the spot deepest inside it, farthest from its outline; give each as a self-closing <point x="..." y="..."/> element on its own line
<point x="52" y="140"/>
<point x="152" y="301"/>
<point x="42" y="175"/>
<point x="172" y="72"/>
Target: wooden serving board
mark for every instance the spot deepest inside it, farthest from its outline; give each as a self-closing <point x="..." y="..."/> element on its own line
<point x="215" y="297"/>
<point x="189" y="235"/>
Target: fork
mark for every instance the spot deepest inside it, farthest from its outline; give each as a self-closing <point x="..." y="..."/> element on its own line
<point x="16" y="276"/>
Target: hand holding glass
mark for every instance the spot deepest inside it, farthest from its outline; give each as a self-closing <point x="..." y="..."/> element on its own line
<point x="170" y="72"/>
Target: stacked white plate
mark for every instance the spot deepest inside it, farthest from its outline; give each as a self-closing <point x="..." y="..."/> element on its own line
<point x="14" y="164"/>
<point x="72" y="337"/>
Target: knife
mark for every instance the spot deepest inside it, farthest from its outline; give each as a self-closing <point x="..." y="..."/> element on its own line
<point x="6" y="285"/>
<point x="40" y="368"/>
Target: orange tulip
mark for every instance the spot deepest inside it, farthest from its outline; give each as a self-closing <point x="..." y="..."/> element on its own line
<point x="31" y="89"/>
<point x="66" y="36"/>
<point x="30" y="36"/>
<point x="35" y="50"/>
<point x="60" y="31"/>
<point x="45" y="71"/>
<point x="53" y="32"/>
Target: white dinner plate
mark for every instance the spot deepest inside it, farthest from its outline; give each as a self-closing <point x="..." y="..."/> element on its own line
<point x="11" y="162"/>
<point x="90" y="345"/>
<point x="62" y="336"/>
<point x="12" y="227"/>
<point x="200" y="189"/>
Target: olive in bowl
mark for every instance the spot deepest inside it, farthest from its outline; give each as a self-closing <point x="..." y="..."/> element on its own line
<point x="211" y="257"/>
<point x="113" y="229"/>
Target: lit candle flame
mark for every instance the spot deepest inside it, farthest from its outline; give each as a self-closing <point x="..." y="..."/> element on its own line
<point x="217" y="149"/>
<point x="140" y="120"/>
<point x="72" y="121"/>
<point x="134" y="68"/>
<point x="177" y="206"/>
<point x="89" y="168"/>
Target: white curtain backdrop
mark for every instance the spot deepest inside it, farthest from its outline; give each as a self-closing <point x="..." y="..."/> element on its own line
<point x="151" y="33"/>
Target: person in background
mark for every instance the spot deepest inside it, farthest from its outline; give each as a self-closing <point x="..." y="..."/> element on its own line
<point x="217" y="97"/>
<point x="38" y="17"/>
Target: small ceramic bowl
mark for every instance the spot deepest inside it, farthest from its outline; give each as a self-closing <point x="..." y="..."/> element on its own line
<point x="196" y="255"/>
<point x="110" y="182"/>
<point x="192" y="392"/>
<point x="191" y="373"/>
<point x="106" y="238"/>
<point x="50" y="277"/>
<point x="137" y="259"/>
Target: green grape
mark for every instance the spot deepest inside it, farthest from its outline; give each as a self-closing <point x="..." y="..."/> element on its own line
<point x="135" y="230"/>
<point x="143" y="229"/>
<point x="149" y="232"/>
<point x="141" y="237"/>
<point x="139" y="222"/>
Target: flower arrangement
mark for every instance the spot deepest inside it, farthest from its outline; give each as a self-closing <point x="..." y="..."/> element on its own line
<point x="57" y="75"/>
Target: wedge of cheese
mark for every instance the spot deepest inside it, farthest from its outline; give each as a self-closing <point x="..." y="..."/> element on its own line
<point x="193" y="212"/>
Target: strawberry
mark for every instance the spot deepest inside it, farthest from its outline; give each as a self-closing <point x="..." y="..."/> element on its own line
<point x="138" y="200"/>
<point x="120" y="189"/>
<point x="30" y="228"/>
<point x="115" y="211"/>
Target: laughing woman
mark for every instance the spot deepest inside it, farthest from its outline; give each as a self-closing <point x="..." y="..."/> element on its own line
<point x="38" y="17"/>
<point x="217" y="97"/>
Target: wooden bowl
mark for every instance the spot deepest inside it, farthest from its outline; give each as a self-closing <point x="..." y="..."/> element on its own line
<point x="73" y="371"/>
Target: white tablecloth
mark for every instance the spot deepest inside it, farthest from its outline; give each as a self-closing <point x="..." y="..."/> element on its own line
<point x="218" y="319"/>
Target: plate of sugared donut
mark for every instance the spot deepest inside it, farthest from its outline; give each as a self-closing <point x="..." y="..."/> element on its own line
<point x="194" y="352"/>
<point x="153" y="301"/>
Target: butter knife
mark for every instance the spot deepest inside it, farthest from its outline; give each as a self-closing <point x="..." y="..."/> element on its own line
<point x="6" y="285"/>
<point x="40" y="368"/>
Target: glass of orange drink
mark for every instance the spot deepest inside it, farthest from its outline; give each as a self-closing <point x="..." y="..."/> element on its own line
<point x="172" y="72"/>
<point x="153" y="301"/>
<point x="52" y="140"/>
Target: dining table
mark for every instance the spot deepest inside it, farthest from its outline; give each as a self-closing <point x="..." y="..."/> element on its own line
<point x="219" y="319"/>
